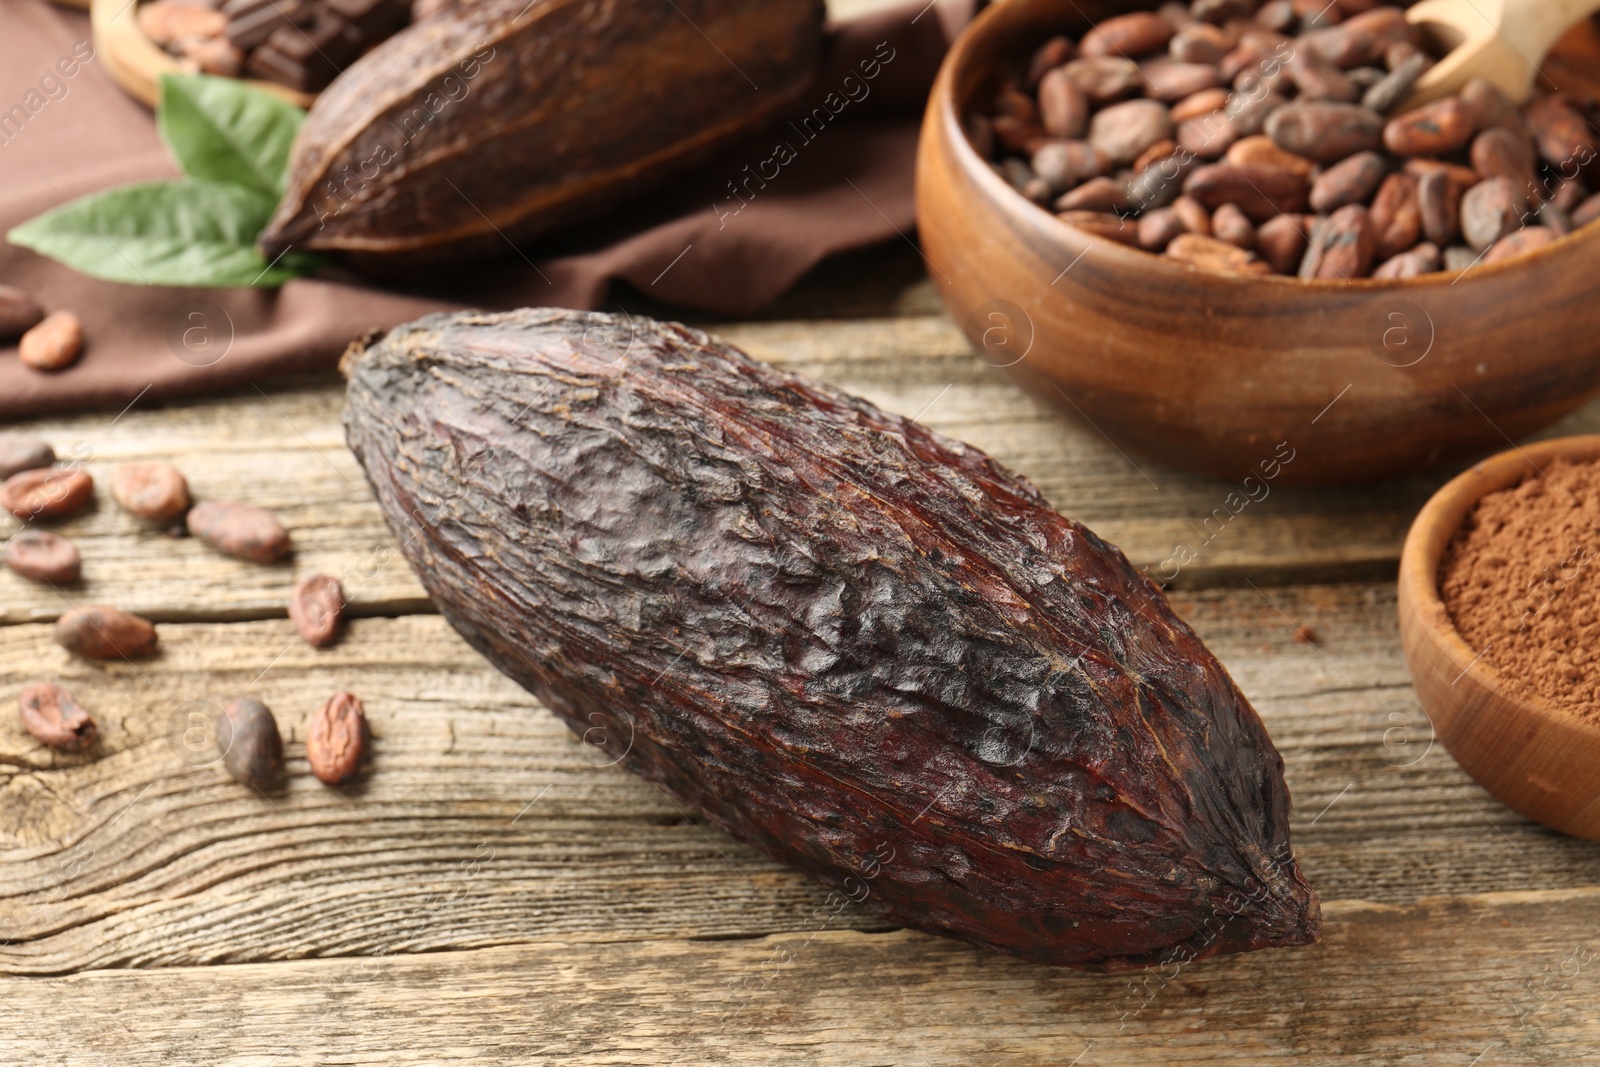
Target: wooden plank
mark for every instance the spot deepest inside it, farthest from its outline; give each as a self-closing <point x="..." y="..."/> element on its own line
<point x="1507" y="979"/>
<point x="145" y="854"/>
<point x="283" y="449"/>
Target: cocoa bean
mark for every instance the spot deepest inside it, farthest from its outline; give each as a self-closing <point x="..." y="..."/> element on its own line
<point x="1259" y="190"/>
<point x="1016" y="173"/>
<point x="1314" y="16"/>
<point x="54" y="343"/>
<point x="43" y="557"/>
<point x="1439" y="205"/>
<point x="1096" y="194"/>
<point x="1492" y="108"/>
<point x="1587" y="211"/>
<point x="1204" y="102"/>
<point x="1159" y="184"/>
<point x="1463" y="178"/>
<point x="1211" y="253"/>
<point x="1014" y="103"/>
<point x="1558" y="221"/>
<point x="1364" y="78"/>
<point x="252" y="747"/>
<point x="1519" y="241"/>
<point x="1344" y="47"/>
<point x="1198" y="43"/>
<point x="1177" y="14"/>
<point x="1169" y="80"/>
<point x="1563" y="135"/>
<point x="1278" y="15"/>
<point x="1423" y="259"/>
<point x="1262" y="149"/>
<point x="1157" y="229"/>
<point x="316" y="607"/>
<point x="1103" y="224"/>
<point x="1281" y="241"/>
<point x="1344" y="243"/>
<point x="1220" y="12"/>
<point x="542" y="568"/>
<point x="1229" y="224"/>
<point x="1269" y="76"/>
<point x="239" y="530"/>
<point x="1154" y="154"/>
<point x="1388" y="92"/>
<point x="1568" y="193"/>
<point x="1325" y="131"/>
<point x="101" y="632"/>
<point x="1193" y="215"/>
<point x="1052" y="54"/>
<point x="1318" y="79"/>
<point x="1490" y="210"/>
<point x="1396" y="216"/>
<point x="19" y="313"/>
<point x="1129" y="35"/>
<point x="1434" y="129"/>
<point x="54" y="716"/>
<point x="20" y="453"/>
<point x="1104" y="78"/>
<point x="1499" y="153"/>
<point x="1460" y="257"/>
<point x="1063" y="107"/>
<point x="156" y="491"/>
<point x="1064" y="164"/>
<point x="337" y="739"/>
<point x="1014" y="133"/>
<point x="46" y="493"/>
<point x="1207" y="136"/>
<point x="981" y="134"/>
<point x="1123" y="131"/>
<point x="1248" y="114"/>
<point x="1348" y="182"/>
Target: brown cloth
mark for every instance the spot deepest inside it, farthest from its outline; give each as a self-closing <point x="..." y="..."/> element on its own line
<point x="693" y="244"/>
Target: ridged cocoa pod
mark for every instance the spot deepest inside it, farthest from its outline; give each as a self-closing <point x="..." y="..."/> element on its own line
<point x="508" y="118"/>
<point x="852" y="642"/>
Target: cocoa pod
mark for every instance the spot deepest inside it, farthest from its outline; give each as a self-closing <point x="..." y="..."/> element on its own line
<point x="1519" y="241"/>
<point x="46" y="493"/>
<point x="828" y="627"/>
<point x="504" y="119"/>
<point x="19" y="313"/>
<point x="20" y="453"/>
<point x="337" y="739"/>
<point x="1281" y="242"/>
<point x="53" y="344"/>
<point x="1434" y="129"/>
<point x="1396" y="216"/>
<point x="1128" y="35"/>
<point x="316" y="607"/>
<point x="1349" y="181"/>
<point x="54" y="716"/>
<point x="1260" y="190"/>
<point x="1324" y="131"/>
<point x="101" y="632"/>
<point x="1423" y="259"/>
<point x="1123" y="131"/>
<point x="1104" y="78"/>
<point x="252" y="747"/>
<point x="239" y="530"/>
<point x="1063" y="108"/>
<point x="156" y="491"/>
<point x="43" y="557"/>
<point x="1490" y="210"/>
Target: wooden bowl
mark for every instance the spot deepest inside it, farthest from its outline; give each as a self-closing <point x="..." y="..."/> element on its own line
<point x="136" y="63"/>
<point x="1211" y="372"/>
<point x="1533" y="756"/>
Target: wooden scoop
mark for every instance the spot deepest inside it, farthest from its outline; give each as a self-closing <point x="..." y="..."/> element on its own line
<point x="1503" y="41"/>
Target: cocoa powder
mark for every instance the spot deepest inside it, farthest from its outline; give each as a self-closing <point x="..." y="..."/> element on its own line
<point x="1519" y="581"/>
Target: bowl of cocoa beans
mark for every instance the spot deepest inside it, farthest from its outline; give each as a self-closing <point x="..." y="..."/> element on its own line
<point x="1204" y="230"/>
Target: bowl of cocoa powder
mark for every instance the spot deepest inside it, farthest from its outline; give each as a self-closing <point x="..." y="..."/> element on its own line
<point x="1500" y="620"/>
<point x="1211" y="227"/>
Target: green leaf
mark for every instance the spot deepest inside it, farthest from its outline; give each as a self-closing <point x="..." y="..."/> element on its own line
<point x="190" y="233"/>
<point x="219" y="129"/>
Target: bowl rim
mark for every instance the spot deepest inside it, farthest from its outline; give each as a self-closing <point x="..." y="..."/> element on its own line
<point x="943" y="97"/>
<point x="1430" y="534"/>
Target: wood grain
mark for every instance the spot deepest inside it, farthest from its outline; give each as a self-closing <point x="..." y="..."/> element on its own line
<point x="482" y="821"/>
<point x="1506" y="979"/>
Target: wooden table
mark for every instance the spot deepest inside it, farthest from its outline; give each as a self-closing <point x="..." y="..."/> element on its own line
<point x="489" y="894"/>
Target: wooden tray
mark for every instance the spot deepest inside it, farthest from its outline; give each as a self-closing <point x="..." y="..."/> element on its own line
<point x="136" y="63"/>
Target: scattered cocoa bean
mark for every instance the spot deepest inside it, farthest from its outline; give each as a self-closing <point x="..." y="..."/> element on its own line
<point x="1559" y="222"/>
<point x="1229" y="224"/>
<point x="46" y="493"/>
<point x="1325" y="131"/>
<point x="1124" y="131"/>
<point x="1281" y="242"/>
<point x="41" y="556"/>
<point x="54" y="716"/>
<point x="316" y="607"/>
<point x="1260" y="190"/>
<point x="54" y="343"/>
<point x="1063" y="107"/>
<point x="1220" y="12"/>
<point x="1396" y="216"/>
<point x="101" y="632"/>
<point x="19" y="313"/>
<point x="1490" y="210"/>
<point x="337" y="739"/>
<point x="1211" y="253"/>
<point x="1519" y="241"/>
<point x="20" y="453"/>
<point x="239" y="530"/>
<point x="1348" y="182"/>
<point x="156" y="491"/>
<point x="168" y="21"/>
<point x="1278" y="15"/>
<point x="252" y="747"/>
<point x="1568" y="193"/>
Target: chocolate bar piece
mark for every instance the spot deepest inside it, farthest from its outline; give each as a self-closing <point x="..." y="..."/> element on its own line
<point x="373" y="19"/>
<point x="250" y="22"/>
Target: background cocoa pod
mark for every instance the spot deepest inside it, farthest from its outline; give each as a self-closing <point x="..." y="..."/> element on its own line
<point x="337" y="739"/>
<point x="55" y="717"/>
<point x="252" y="747"/>
<point x="508" y="118"/>
<point x="864" y="647"/>
<point x="101" y="632"/>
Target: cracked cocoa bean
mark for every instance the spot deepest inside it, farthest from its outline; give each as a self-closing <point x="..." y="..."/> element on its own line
<point x="101" y="632"/>
<point x="316" y="607"/>
<point x="43" y="557"/>
<point x="54" y="716"/>
<point x="239" y="530"/>
<point x="156" y="491"/>
<point x="47" y="493"/>
<point x="336" y="743"/>
<point x="828" y="627"/>
<point x="252" y="747"/>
